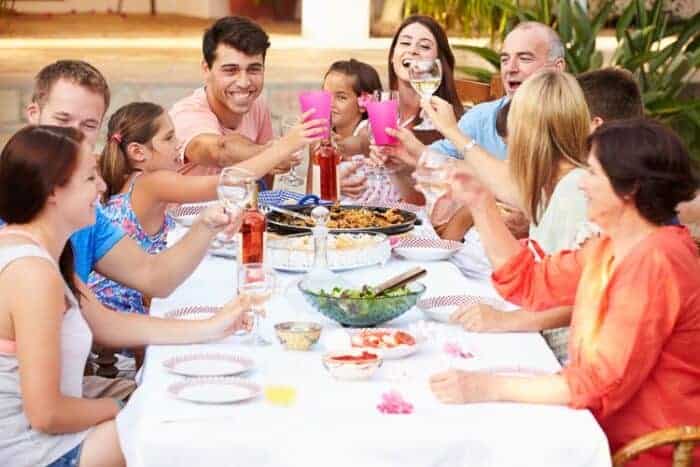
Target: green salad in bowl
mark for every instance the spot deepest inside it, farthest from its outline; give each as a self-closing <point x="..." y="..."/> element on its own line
<point x="362" y="307"/>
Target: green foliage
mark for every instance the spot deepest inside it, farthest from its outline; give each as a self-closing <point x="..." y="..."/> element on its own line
<point x="662" y="55"/>
<point x="471" y="17"/>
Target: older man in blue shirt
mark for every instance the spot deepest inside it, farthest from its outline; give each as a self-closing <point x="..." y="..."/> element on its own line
<point x="529" y="48"/>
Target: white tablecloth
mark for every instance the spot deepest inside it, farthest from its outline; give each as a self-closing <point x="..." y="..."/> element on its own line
<point x="337" y="423"/>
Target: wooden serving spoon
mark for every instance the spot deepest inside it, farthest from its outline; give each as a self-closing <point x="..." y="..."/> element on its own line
<point x="400" y="279"/>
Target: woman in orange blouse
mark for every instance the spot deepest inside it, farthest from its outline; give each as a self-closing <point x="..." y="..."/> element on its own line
<point x="635" y="329"/>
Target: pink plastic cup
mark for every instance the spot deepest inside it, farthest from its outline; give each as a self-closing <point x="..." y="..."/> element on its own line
<point x="383" y="115"/>
<point x="321" y="102"/>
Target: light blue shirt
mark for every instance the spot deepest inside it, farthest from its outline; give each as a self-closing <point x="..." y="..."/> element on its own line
<point x="91" y="243"/>
<point x="480" y="124"/>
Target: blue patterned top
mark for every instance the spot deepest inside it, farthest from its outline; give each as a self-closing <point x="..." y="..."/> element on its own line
<point x="113" y="294"/>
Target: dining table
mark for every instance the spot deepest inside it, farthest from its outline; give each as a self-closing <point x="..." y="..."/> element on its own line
<point x="333" y="422"/>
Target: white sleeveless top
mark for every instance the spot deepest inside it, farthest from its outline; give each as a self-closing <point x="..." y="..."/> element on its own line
<point x="20" y="444"/>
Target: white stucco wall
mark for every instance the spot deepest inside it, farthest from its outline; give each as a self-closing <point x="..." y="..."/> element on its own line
<point x="335" y="23"/>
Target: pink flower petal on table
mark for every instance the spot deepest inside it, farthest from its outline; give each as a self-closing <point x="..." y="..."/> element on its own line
<point x="455" y="350"/>
<point x="394" y="403"/>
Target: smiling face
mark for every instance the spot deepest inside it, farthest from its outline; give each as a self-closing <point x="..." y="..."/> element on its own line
<point x="235" y="79"/>
<point x="70" y="105"/>
<point x="415" y="41"/>
<point x="525" y="51"/>
<point x="79" y="198"/>
<point x="604" y="205"/>
<point x="345" y="111"/>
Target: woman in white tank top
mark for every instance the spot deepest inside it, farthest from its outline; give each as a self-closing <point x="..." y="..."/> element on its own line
<point x="49" y="188"/>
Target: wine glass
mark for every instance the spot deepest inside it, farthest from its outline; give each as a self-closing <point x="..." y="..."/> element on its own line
<point x="259" y="283"/>
<point x="291" y="178"/>
<point x="431" y="176"/>
<point x="232" y="191"/>
<point x="233" y="187"/>
<point x="425" y="76"/>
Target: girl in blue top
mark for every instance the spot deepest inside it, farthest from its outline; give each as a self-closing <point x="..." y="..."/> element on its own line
<point x="139" y="165"/>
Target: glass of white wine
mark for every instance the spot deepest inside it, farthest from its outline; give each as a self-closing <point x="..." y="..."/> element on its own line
<point x="425" y="77"/>
<point x="431" y="175"/>
<point x="259" y="283"/>
<point x="292" y="178"/>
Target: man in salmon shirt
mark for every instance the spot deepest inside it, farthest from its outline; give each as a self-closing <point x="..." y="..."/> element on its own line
<point x="227" y="120"/>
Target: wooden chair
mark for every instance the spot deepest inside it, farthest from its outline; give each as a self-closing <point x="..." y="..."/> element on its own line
<point x="105" y="362"/>
<point x="683" y="437"/>
<point x="472" y="92"/>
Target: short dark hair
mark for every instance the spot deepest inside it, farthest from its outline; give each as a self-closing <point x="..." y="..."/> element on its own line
<point x="646" y="160"/>
<point x="76" y="71"/>
<point x="238" y="32"/>
<point x="366" y="77"/>
<point x="34" y="162"/>
<point x="611" y="94"/>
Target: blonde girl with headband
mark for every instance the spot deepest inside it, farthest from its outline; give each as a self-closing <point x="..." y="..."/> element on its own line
<point x="139" y="166"/>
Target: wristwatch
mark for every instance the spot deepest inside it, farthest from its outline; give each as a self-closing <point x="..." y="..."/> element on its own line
<point x="468" y="147"/>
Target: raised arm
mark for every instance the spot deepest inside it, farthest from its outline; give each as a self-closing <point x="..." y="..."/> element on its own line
<point x="118" y="330"/>
<point x="517" y="275"/>
<point x="158" y="275"/>
<point x="494" y="173"/>
<point x="37" y="316"/>
<point x="214" y="150"/>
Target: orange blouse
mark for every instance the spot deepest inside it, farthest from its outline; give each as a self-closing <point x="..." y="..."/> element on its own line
<point x="634" y="345"/>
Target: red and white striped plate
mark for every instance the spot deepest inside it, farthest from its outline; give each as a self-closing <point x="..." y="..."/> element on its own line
<point x="426" y="249"/>
<point x="192" y="313"/>
<point x="214" y="390"/>
<point x="185" y="214"/>
<point x="208" y="364"/>
<point x="441" y="307"/>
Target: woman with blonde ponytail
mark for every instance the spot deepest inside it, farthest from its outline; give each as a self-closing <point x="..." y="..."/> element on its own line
<point x="139" y="166"/>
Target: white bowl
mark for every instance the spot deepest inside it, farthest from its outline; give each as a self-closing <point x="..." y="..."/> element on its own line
<point x="353" y="370"/>
<point x="426" y="249"/>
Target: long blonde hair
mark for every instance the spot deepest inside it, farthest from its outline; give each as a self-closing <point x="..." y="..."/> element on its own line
<point x="132" y="123"/>
<point x="548" y="124"/>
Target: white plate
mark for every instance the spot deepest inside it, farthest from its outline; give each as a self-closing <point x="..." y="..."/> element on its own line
<point x="393" y="353"/>
<point x="214" y="390"/>
<point x="426" y="249"/>
<point x="440" y="308"/>
<point x="192" y="313"/>
<point x="208" y="364"/>
<point x="185" y="214"/>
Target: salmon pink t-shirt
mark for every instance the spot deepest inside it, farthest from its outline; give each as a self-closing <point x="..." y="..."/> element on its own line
<point x="192" y="116"/>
